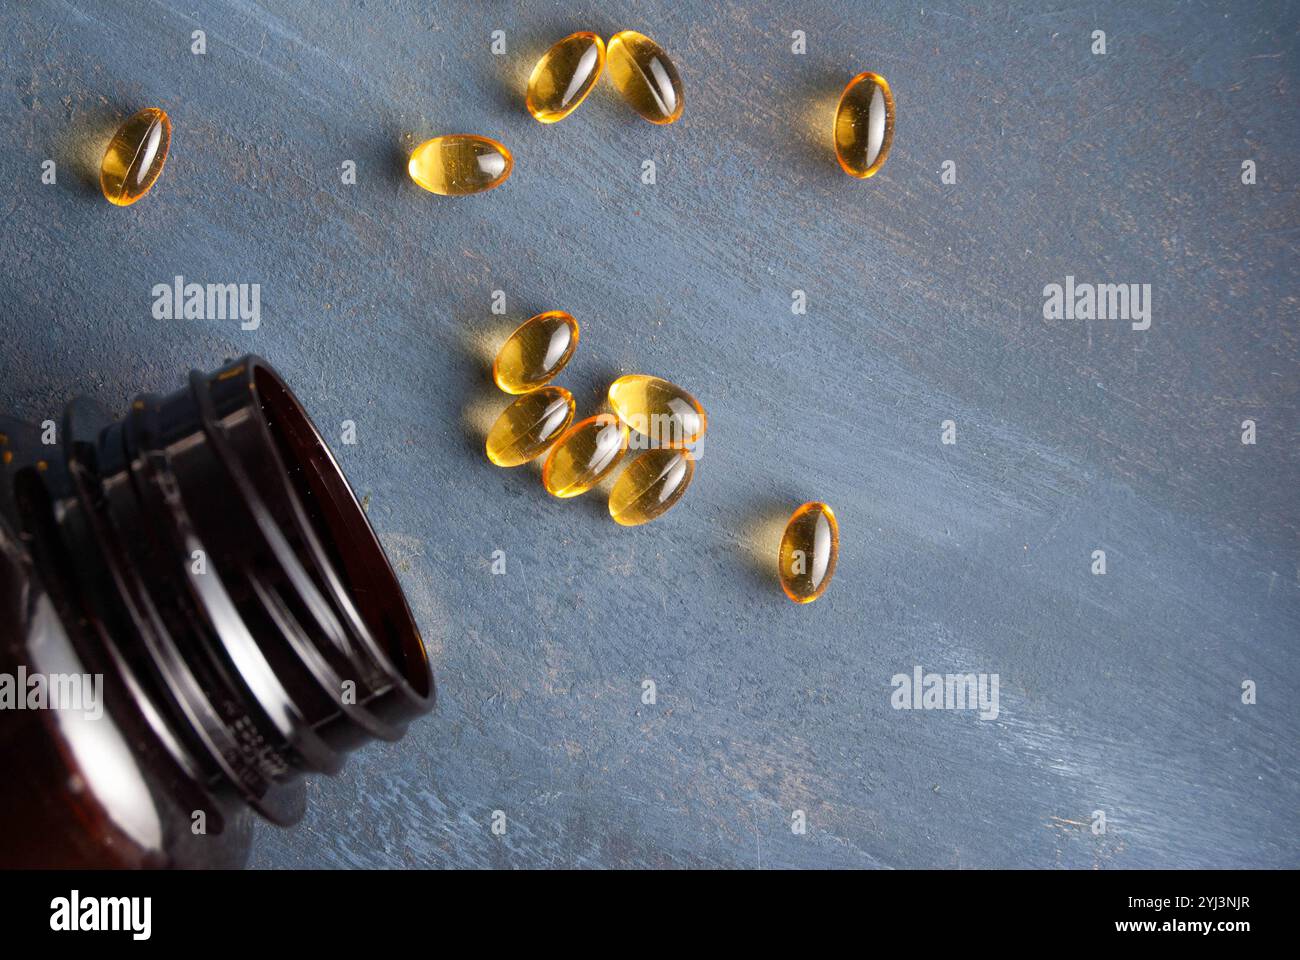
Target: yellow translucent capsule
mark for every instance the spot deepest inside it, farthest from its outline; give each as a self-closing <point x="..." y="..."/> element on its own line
<point x="864" y="125"/>
<point x="564" y="76"/>
<point x="658" y="409"/>
<point x="650" y="485"/>
<point x="529" y="425"/>
<point x="460" y="164"/>
<point x="809" y="548"/>
<point x="645" y="76"/>
<point x="535" y="352"/>
<point x="585" y="455"/>
<point x="135" y="156"/>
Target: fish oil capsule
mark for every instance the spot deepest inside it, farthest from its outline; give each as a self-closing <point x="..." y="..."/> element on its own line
<point x="535" y="352"/>
<point x="585" y="455"/>
<point x="529" y="425"/>
<point x="564" y="76"/>
<point x="650" y="485"/>
<point x="135" y="156"/>
<point x="809" y="548"/>
<point x="658" y="409"/>
<point x="645" y="76"/>
<point x="864" y="125"/>
<point x="460" y="164"/>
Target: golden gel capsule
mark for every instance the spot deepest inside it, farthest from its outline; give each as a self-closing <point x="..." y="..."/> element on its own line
<point x="535" y="352"/>
<point x="864" y="125"/>
<point x="650" y="485"/>
<point x="809" y="548"/>
<point x="645" y="76"/>
<point x="529" y="425"/>
<point x="135" y="156"/>
<point x="460" y="164"/>
<point x="658" y="409"/>
<point x="564" y="76"/>
<point x="585" y="455"/>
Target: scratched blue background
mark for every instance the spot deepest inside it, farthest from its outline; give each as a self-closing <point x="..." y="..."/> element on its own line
<point x="1118" y="693"/>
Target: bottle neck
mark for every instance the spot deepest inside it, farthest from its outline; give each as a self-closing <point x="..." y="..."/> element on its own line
<point x="210" y="543"/>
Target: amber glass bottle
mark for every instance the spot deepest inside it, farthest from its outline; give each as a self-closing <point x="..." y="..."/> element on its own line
<point x="194" y="614"/>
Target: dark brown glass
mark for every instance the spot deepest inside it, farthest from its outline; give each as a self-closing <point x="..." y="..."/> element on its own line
<point x="205" y="556"/>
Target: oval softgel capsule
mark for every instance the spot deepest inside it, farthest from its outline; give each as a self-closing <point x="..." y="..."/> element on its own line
<point x="460" y="164"/>
<point x="645" y="76"/>
<point x="529" y="426"/>
<point x="864" y="125"/>
<point x="810" y="548"/>
<point x="535" y="352"/>
<point x="658" y="409"/>
<point x="135" y="156"/>
<point x="564" y="76"/>
<point x="650" y="486"/>
<point x="585" y="455"/>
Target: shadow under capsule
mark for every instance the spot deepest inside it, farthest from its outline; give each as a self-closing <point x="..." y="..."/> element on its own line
<point x="484" y="401"/>
<point x="82" y="149"/>
<point x="509" y="88"/>
<point x="819" y="93"/>
<point x="481" y="338"/>
<point x="388" y="153"/>
<point x="398" y="167"/>
<point x="481" y="410"/>
<point x="764" y="523"/>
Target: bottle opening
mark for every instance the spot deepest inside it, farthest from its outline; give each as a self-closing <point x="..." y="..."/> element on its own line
<point x="205" y="555"/>
<point x="343" y="531"/>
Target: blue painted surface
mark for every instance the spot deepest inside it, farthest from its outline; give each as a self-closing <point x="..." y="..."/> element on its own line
<point x="1119" y="693"/>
